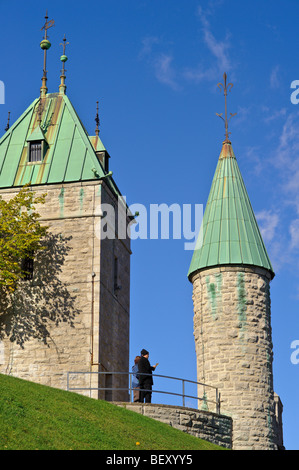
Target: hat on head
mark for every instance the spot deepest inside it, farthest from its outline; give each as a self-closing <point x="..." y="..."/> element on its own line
<point x="144" y="352"/>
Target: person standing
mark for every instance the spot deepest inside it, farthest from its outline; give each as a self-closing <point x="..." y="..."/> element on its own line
<point x="135" y="380"/>
<point x="145" y="377"/>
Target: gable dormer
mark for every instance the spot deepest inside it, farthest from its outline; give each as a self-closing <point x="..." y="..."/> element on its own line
<point x="37" y="146"/>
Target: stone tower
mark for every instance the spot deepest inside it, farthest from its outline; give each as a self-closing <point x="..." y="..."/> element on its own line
<point x="72" y="313"/>
<point x="231" y="273"/>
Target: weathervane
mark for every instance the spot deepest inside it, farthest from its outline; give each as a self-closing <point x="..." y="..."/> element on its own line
<point x="47" y="25"/>
<point x="63" y="59"/>
<point x="45" y="45"/>
<point x="226" y="121"/>
<point x="97" y="120"/>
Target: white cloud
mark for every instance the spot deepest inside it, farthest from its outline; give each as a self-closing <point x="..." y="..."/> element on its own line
<point x="163" y="62"/>
<point x="147" y="45"/>
<point x="286" y="159"/>
<point x="199" y="74"/>
<point x="164" y="71"/>
<point x="253" y="154"/>
<point x="273" y="115"/>
<point x="294" y="232"/>
<point x="160" y="62"/>
<point x="268" y="222"/>
<point x="281" y="227"/>
<point x="219" y="61"/>
<point x="274" y="79"/>
<point x="289" y="138"/>
<point x="218" y="48"/>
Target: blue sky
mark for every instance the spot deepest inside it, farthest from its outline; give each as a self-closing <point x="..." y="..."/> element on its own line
<point x="154" y="66"/>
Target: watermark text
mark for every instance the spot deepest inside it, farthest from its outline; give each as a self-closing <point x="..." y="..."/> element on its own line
<point x="295" y="95"/>
<point x="295" y="353"/>
<point x="2" y="93"/>
<point x="157" y="221"/>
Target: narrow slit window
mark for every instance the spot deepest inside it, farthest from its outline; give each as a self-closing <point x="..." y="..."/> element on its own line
<point x="27" y="267"/>
<point x="115" y="275"/>
<point x="35" y="152"/>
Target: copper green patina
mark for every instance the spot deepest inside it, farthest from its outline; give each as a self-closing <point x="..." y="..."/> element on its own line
<point x="69" y="153"/>
<point x="229" y="234"/>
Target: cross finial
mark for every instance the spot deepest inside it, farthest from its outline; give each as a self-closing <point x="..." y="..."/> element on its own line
<point x="63" y="59"/>
<point x="97" y="120"/>
<point x="226" y="87"/>
<point x="64" y="44"/>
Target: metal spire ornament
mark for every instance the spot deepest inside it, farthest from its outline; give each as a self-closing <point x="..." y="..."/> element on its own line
<point x="97" y="120"/>
<point x="226" y="87"/>
<point x="8" y="119"/>
<point x="45" y="45"/>
<point x="63" y="58"/>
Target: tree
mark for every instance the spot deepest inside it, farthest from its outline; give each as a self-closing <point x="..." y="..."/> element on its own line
<point x="21" y="235"/>
<point x="29" y="309"/>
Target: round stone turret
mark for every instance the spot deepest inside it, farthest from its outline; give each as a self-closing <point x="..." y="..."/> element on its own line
<point x="231" y="273"/>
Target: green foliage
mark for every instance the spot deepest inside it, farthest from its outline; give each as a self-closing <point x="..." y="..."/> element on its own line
<point x="20" y="235"/>
<point x="34" y="416"/>
<point x="30" y="305"/>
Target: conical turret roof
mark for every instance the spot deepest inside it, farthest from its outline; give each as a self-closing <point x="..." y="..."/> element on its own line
<point x="229" y="233"/>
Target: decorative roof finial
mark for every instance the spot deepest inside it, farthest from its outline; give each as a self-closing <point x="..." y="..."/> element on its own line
<point x="226" y="121"/>
<point x="97" y="120"/>
<point x="8" y="119"/>
<point x="45" y="45"/>
<point x="63" y="58"/>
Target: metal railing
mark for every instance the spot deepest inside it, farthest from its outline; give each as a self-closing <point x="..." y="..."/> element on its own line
<point x="206" y="388"/>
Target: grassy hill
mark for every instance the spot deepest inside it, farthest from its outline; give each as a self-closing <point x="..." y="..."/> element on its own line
<point x="33" y="416"/>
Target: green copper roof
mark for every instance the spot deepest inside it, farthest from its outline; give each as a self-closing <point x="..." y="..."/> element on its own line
<point x="68" y="152"/>
<point x="229" y="234"/>
<point x="37" y="134"/>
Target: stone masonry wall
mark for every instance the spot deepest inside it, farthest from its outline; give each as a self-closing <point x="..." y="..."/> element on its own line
<point x="202" y="424"/>
<point x="68" y="317"/>
<point x="233" y="339"/>
<point x="115" y="301"/>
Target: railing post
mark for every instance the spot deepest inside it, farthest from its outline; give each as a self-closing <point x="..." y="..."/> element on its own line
<point x="217" y="401"/>
<point x="183" y="392"/>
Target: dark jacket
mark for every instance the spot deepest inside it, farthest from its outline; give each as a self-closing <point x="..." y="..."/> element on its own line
<point x="144" y="367"/>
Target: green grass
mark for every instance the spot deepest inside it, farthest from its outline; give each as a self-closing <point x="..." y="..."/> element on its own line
<point x="34" y="416"/>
